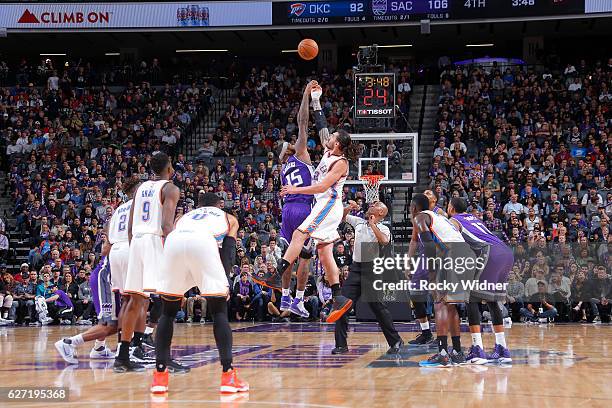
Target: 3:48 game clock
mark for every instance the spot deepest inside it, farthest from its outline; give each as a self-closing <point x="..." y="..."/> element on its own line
<point x="374" y="95"/>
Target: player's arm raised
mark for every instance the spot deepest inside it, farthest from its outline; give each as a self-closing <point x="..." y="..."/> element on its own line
<point x="170" y="196"/>
<point x="320" y="121"/>
<point x="301" y="146"/>
<point x="339" y="170"/>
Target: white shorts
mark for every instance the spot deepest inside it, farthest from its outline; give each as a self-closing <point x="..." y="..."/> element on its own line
<point x="118" y="258"/>
<point x="144" y="264"/>
<point x="194" y="260"/>
<point x="323" y="221"/>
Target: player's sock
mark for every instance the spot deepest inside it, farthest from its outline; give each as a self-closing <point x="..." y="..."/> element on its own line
<point x="336" y="291"/>
<point x="299" y="294"/>
<point x="425" y="327"/>
<point x="221" y="331"/>
<point x="99" y="345"/>
<point x="75" y="340"/>
<point x="500" y="338"/>
<point x="283" y="266"/>
<point x="124" y="351"/>
<point x="165" y="331"/>
<point x="442" y="343"/>
<point x="477" y="340"/>
<point x="286" y="292"/>
<point x="137" y="339"/>
<point x="456" y="343"/>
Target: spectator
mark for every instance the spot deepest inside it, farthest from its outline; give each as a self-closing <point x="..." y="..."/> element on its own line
<point x="7" y="289"/>
<point x="539" y="306"/>
<point x="241" y="296"/>
<point x="23" y="298"/>
<point x="84" y="303"/>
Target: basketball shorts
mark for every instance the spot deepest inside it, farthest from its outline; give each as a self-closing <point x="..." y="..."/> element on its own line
<point x="118" y="257"/>
<point x="323" y="221"/>
<point x="192" y="259"/>
<point x="293" y="216"/>
<point x="144" y="264"/>
<point x="496" y="271"/>
<point x="106" y="302"/>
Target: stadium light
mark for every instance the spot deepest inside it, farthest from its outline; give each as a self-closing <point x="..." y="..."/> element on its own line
<point x="388" y="46"/>
<point x="112" y="54"/>
<point x="480" y="45"/>
<point x="47" y="54"/>
<point x="211" y="50"/>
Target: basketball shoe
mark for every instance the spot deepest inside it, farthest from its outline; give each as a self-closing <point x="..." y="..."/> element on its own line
<point x="160" y="382"/>
<point x="341" y="305"/>
<point x="175" y="367"/>
<point x="500" y="355"/>
<point x="438" y="360"/>
<point x="297" y="308"/>
<point x="285" y="303"/>
<point x="422" y="339"/>
<point x="476" y="355"/>
<point x="230" y="382"/>
<point x="103" y="353"/>
<point x="67" y="351"/>
<point x="457" y="357"/>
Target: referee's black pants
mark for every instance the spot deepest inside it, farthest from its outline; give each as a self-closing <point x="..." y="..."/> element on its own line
<point x="352" y="290"/>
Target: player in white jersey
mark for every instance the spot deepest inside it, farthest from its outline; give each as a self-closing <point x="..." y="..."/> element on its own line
<point x="151" y="220"/>
<point x="201" y="252"/>
<point x="441" y="240"/>
<point x="322" y="223"/>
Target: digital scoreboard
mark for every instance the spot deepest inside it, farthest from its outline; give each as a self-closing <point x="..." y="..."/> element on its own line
<point x="374" y="95"/>
<point x="391" y="11"/>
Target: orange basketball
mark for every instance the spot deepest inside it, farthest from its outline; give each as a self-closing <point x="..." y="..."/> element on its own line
<point x="308" y="49"/>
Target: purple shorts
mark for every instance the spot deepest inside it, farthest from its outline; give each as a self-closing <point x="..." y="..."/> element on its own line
<point x="496" y="271"/>
<point x="293" y="215"/>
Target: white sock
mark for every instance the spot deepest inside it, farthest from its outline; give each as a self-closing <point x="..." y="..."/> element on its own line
<point x="286" y="292"/>
<point x="477" y="340"/>
<point x="148" y="330"/>
<point x="77" y="340"/>
<point x="99" y="344"/>
<point x="424" y="326"/>
<point x="299" y="294"/>
<point x="500" y="338"/>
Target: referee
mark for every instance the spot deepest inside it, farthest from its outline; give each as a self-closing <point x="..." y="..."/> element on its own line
<point x="370" y="231"/>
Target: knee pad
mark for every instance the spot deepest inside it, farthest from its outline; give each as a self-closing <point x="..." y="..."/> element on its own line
<point x="473" y="314"/>
<point x="155" y="310"/>
<point x="496" y="313"/>
<point x="306" y="253"/>
<point x="170" y="307"/>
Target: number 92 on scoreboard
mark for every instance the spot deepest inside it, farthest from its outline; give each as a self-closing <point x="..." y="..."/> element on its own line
<point x="374" y="95"/>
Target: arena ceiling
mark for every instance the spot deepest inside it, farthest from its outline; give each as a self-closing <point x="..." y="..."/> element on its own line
<point x="449" y="38"/>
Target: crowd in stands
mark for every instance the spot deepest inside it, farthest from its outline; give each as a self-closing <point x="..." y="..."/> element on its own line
<point x="531" y="152"/>
<point x="71" y="143"/>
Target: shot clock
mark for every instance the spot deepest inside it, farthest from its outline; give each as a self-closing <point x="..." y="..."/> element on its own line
<point x="374" y="95"/>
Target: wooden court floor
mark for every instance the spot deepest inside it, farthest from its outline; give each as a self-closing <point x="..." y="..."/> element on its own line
<point x="290" y="366"/>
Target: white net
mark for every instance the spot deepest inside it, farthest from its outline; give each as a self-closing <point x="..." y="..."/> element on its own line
<point x="371" y="187"/>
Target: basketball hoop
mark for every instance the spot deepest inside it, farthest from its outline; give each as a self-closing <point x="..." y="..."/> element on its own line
<point x="371" y="186"/>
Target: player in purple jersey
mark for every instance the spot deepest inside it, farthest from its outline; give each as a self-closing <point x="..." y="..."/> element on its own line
<point x="499" y="262"/>
<point x="296" y="171"/>
<point x="419" y="300"/>
<point x="106" y="304"/>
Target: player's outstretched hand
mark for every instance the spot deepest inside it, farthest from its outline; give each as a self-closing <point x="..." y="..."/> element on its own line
<point x="311" y="85"/>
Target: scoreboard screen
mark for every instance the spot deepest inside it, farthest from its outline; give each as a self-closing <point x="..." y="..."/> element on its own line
<point x="392" y="11"/>
<point x="374" y="95"/>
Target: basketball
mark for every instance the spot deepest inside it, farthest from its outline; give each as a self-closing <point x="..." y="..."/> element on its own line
<point x="308" y="49"/>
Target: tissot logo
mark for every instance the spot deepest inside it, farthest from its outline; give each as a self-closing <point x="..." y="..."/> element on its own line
<point x="78" y="17"/>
